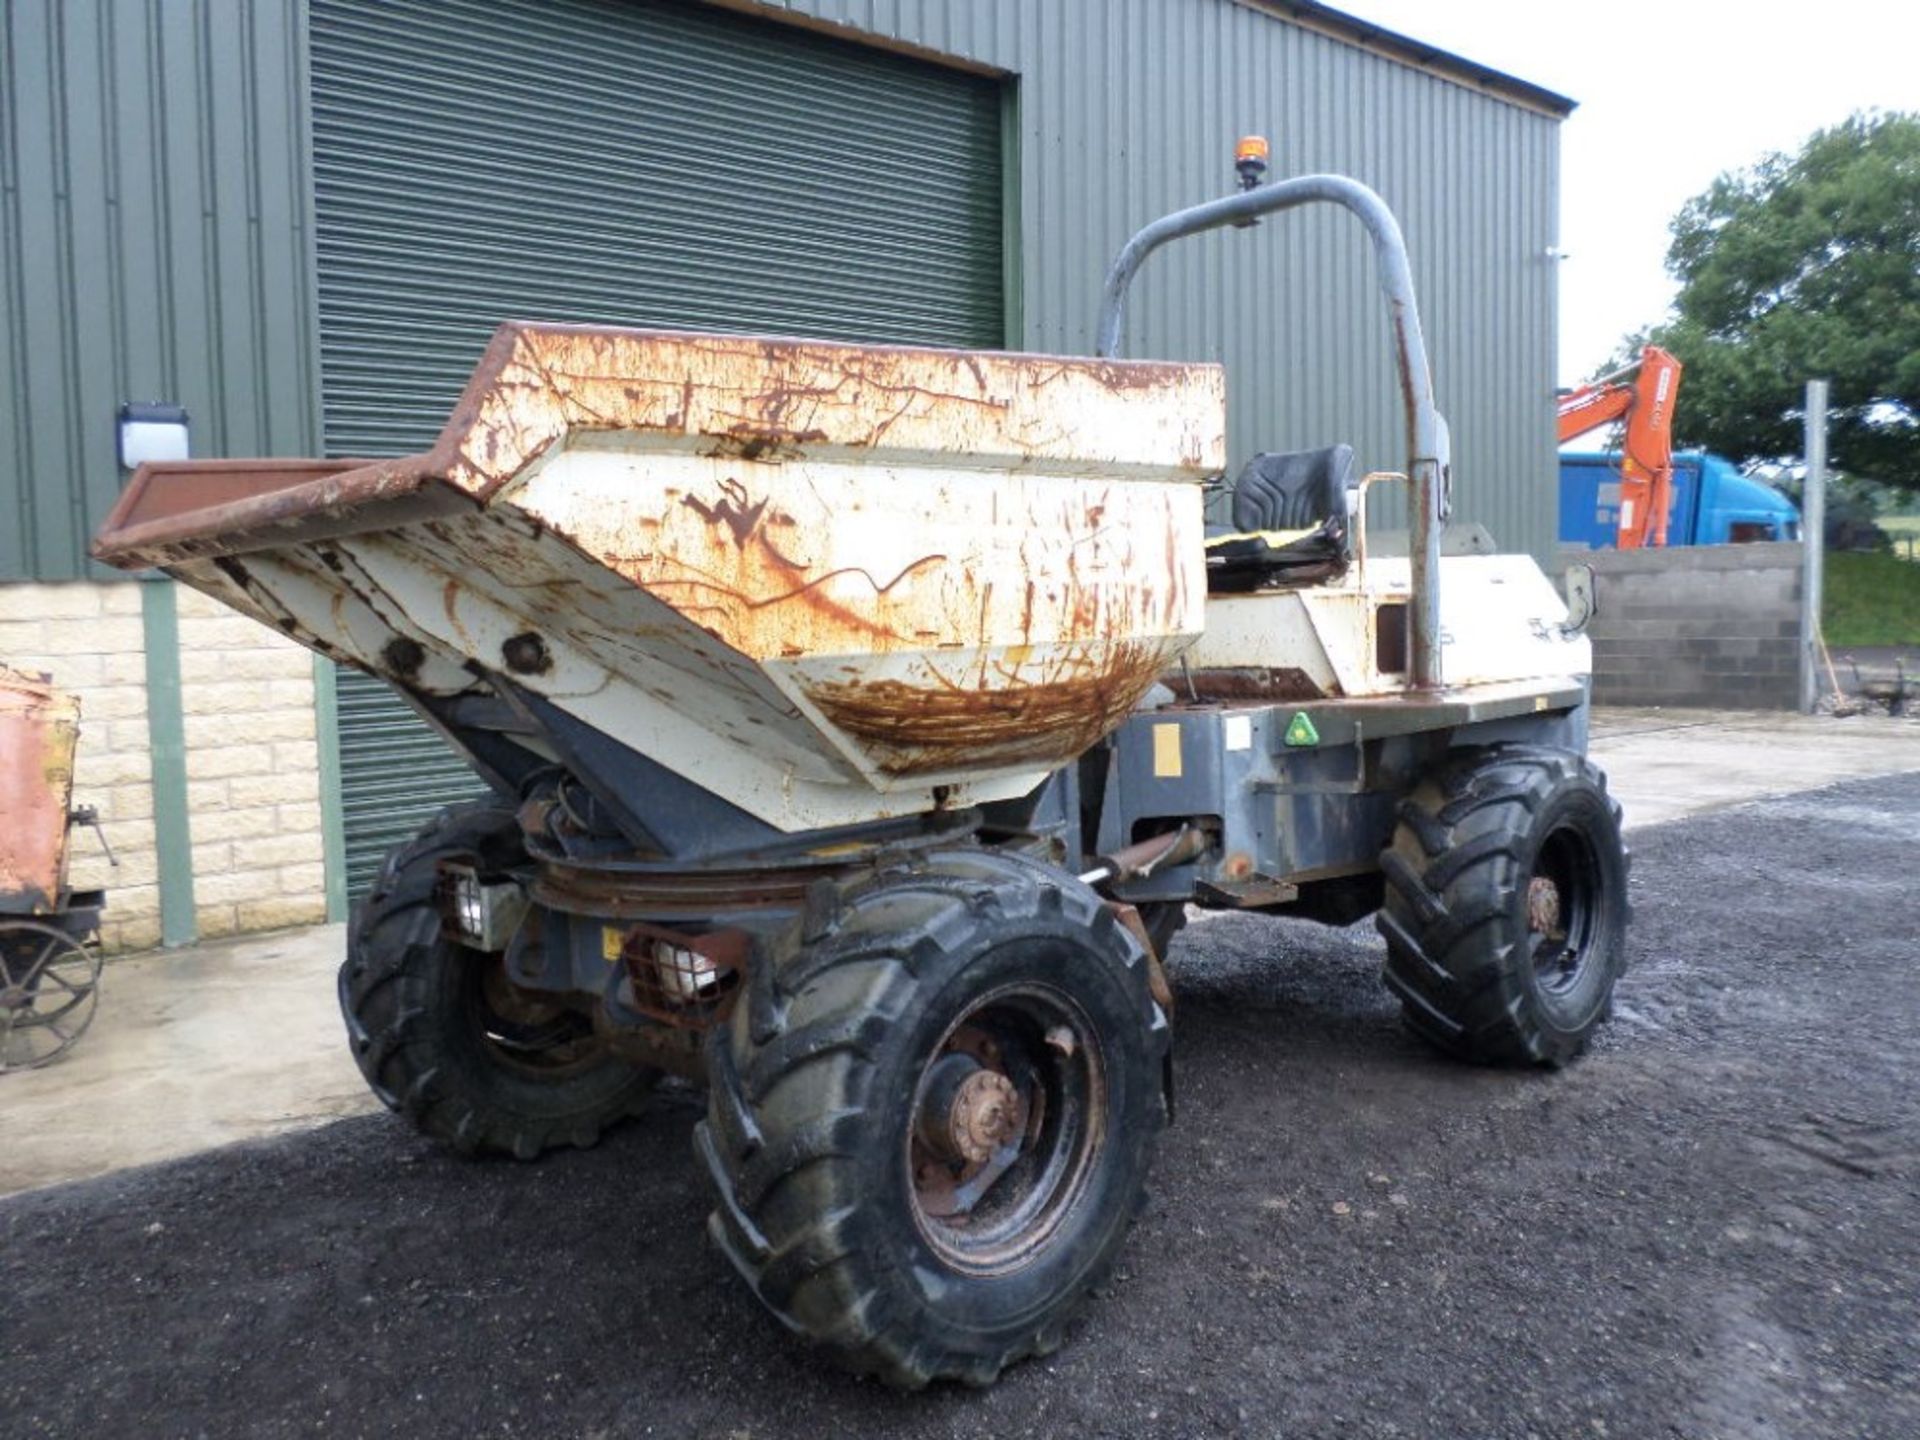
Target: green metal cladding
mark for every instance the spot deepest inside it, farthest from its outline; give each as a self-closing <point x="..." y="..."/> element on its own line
<point x="156" y="237"/>
<point x="155" y="244"/>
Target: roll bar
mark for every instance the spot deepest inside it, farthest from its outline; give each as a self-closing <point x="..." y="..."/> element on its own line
<point x="1428" y="461"/>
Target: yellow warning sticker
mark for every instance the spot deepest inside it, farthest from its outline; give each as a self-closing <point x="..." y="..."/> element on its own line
<point x="1166" y="751"/>
<point x="612" y="938"/>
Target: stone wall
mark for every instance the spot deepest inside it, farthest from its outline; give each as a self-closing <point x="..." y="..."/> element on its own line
<point x="253" y="772"/>
<point x="253" y="783"/>
<point x="1704" y="626"/>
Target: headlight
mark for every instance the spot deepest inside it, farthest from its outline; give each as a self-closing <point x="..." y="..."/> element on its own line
<point x="684" y="974"/>
<point x="479" y="913"/>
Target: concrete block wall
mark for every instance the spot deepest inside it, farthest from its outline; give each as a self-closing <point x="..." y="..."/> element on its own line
<point x="90" y="639"/>
<point x="253" y="779"/>
<point x="253" y="772"/>
<point x="1702" y="626"/>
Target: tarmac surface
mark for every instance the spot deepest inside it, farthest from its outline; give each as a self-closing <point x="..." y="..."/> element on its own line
<point x="1710" y="1226"/>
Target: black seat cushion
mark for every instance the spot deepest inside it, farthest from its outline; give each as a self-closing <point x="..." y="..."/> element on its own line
<point x="1296" y="491"/>
<point x="1239" y="563"/>
<point x="1289" y="522"/>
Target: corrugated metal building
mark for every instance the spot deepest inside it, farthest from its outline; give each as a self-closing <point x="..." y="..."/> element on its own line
<point x="299" y="219"/>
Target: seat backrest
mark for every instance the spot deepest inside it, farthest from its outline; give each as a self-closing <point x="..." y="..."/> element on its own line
<point x="1295" y="491"/>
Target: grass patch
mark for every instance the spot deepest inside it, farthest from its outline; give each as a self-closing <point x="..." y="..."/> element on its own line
<point x="1871" y="600"/>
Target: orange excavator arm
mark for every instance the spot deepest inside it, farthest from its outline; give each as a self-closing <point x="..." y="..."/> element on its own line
<point x="1643" y="396"/>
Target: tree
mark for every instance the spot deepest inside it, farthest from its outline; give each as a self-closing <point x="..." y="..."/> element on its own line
<point x="1804" y="267"/>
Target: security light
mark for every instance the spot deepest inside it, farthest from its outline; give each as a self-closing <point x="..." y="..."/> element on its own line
<point x="151" y="431"/>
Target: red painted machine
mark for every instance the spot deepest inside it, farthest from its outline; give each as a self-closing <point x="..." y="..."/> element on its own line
<point x="49" y="958"/>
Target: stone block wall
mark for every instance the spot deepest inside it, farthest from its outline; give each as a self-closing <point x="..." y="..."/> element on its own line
<point x="253" y="772"/>
<point x="1702" y="626"/>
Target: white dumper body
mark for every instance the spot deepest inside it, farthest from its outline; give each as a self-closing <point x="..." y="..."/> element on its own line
<point x="831" y="584"/>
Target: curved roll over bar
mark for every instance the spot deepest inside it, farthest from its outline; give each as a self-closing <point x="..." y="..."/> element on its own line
<point x="1427" y="439"/>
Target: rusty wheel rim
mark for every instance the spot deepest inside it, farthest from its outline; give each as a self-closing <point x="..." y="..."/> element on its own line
<point x="1008" y="1120"/>
<point x="49" y="989"/>
<point x="1563" y="908"/>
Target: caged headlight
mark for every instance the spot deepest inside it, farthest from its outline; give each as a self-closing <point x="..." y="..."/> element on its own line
<point x="479" y="913"/>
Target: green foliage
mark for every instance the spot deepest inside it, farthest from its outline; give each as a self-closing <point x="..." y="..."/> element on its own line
<point x="1870" y="600"/>
<point x="1806" y="266"/>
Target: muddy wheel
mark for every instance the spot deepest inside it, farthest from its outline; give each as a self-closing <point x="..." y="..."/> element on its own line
<point x="929" y="1129"/>
<point x="443" y="1038"/>
<point x="1506" y="906"/>
<point x="49" y="988"/>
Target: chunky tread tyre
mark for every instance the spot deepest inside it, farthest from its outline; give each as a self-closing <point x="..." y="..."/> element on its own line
<point x="811" y="1086"/>
<point x="1455" y="918"/>
<point x="407" y="996"/>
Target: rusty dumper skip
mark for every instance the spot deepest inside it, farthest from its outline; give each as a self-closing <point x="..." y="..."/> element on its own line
<point x="861" y="723"/>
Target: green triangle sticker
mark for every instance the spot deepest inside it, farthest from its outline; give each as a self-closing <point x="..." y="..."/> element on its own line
<point x="1300" y="730"/>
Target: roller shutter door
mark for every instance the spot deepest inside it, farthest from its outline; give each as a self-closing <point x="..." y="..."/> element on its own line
<point x="641" y="162"/>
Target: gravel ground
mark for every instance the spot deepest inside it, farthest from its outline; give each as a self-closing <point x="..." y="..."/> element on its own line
<point x="1708" y="1227"/>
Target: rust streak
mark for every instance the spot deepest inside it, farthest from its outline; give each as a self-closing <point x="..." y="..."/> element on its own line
<point x="927" y="728"/>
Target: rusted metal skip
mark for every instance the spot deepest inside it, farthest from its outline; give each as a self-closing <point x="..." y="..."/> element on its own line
<point x="758" y="399"/>
<point x="39" y="727"/>
<point x="825" y="581"/>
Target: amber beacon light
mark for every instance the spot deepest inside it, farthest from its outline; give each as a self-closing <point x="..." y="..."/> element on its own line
<point x="1250" y="159"/>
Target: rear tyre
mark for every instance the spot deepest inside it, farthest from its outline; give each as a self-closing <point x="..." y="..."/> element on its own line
<point x="445" y="1040"/>
<point x="929" y="1130"/>
<point x="1506" y="906"/>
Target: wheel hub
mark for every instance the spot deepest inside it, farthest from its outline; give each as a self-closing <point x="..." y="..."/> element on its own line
<point x="983" y="1116"/>
<point x="970" y="1112"/>
<point x="1009" y="1117"/>
<point x="1543" y="907"/>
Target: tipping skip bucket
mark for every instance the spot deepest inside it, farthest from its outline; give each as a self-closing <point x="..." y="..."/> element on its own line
<point x="828" y="583"/>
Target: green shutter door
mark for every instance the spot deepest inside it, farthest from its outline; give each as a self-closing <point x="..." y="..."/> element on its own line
<point x="633" y="162"/>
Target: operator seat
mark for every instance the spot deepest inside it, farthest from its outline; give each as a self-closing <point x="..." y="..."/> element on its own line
<point x="1289" y="522"/>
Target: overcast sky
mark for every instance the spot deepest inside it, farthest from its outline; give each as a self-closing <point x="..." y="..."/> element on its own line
<point x="1672" y="93"/>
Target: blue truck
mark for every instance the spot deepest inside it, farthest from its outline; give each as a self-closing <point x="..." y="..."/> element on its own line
<point x="1713" y="503"/>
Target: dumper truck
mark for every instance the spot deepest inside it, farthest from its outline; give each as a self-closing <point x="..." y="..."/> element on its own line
<point x="859" y="723"/>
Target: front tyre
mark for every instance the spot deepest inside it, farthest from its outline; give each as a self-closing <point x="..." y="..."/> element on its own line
<point x="929" y="1130"/>
<point x="442" y="1036"/>
<point x="1506" y="905"/>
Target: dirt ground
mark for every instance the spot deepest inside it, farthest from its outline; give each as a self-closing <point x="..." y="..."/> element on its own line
<point x="1709" y="1227"/>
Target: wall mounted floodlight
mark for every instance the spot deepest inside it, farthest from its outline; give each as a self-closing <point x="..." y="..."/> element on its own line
<point x="152" y="431"/>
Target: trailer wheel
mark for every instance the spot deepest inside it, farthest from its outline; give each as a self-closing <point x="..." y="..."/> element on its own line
<point x="440" y="1035"/>
<point x="1506" y="905"/>
<point x="929" y="1129"/>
